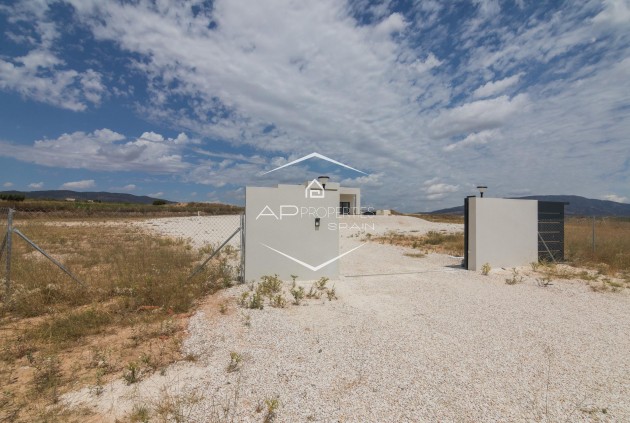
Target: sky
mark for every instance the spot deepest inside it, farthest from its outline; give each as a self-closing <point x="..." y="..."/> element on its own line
<point x="193" y="100"/>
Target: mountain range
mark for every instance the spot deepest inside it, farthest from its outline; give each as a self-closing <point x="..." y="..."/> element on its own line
<point x="578" y="206"/>
<point x="105" y="197"/>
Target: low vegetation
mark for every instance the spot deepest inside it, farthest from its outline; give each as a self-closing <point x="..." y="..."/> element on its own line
<point x="433" y="241"/>
<point x="611" y="254"/>
<point x="125" y="320"/>
<point x="441" y="218"/>
<point x="29" y="209"/>
<point x="270" y="290"/>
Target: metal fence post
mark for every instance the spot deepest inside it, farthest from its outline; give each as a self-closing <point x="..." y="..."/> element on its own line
<point x="242" y="270"/>
<point x="593" y="235"/>
<point x="7" y="280"/>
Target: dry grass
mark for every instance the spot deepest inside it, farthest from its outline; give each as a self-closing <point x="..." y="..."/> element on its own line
<point x="58" y="335"/>
<point x="612" y="244"/>
<point x="82" y="209"/>
<point x="438" y="242"/>
<point x="440" y="218"/>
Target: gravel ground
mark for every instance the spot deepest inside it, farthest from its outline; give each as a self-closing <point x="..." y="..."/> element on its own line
<point x="409" y="339"/>
<point x="200" y="230"/>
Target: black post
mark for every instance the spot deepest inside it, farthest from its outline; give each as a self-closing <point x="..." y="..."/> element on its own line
<point x="466" y="233"/>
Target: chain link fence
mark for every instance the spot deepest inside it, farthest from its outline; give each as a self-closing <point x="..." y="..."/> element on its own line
<point x="4" y="270"/>
<point x="48" y="254"/>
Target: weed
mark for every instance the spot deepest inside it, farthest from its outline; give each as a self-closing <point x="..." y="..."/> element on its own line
<point x="98" y="389"/>
<point x="516" y="278"/>
<point x="247" y="320"/>
<point x="131" y="374"/>
<point x="47" y="376"/>
<point x="485" y="269"/>
<point x="313" y="293"/>
<point x="140" y="414"/>
<point x="223" y="308"/>
<point x="298" y="294"/>
<point x="543" y="282"/>
<point x="278" y="301"/>
<point x="175" y="408"/>
<point x="272" y="407"/>
<point x="321" y="283"/>
<point x="235" y="362"/>
<point x="269" y="286"/>
<point x="256" y="301"/>
<point x="535" y="265"/>
<point x="331" y="294"/>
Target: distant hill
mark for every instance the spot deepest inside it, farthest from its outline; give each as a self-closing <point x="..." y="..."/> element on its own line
<point x="105" y="197"/>
<point x="578" y="206"/>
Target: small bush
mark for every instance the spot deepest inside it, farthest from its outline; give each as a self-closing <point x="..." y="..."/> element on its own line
<point x="235" y="362"/>
<point x="131" y="374"/>
<point x="485" y="269"/>
<point x="278" y="301"/>
<point x="269" y="286"/>
<point x="298" y="294"/>
<point x="516" y="278"/>
<point x="272" y="407"/>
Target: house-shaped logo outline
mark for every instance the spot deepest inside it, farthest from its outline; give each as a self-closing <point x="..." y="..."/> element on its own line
<point x="317" y="192"/>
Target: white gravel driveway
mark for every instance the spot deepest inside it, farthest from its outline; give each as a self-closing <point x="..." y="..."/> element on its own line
<point x="412" y="339"/>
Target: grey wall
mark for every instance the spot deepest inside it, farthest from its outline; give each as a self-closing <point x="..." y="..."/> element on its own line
<point x="292" y="235"/>
<point x="502" y="232"/>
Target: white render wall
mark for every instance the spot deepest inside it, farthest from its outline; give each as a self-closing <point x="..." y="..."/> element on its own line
<point x="502" y="232"/>
<point x="353" y="196"/>
<point x="292" y="235"/>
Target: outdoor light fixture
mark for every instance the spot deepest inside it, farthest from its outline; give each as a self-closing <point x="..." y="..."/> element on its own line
<point x="317" y="223"/>
<point x="323" y="180"/>
<point x="482" y="189"/>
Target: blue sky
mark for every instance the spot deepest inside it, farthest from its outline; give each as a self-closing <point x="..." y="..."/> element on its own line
<point x="193" y="100"/>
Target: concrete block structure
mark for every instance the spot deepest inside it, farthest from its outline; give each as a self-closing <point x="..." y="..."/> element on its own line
<point x="501" y="232"/>
<point x="293" y="229"/>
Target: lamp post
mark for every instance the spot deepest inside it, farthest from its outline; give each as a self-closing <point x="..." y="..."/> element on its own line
<point x="482" y="189"/>
<point x="323" y="180"/>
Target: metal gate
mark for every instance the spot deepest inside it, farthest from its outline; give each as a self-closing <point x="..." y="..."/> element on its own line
<point x="550" y="231"/>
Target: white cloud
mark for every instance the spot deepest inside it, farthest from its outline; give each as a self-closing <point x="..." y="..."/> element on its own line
<point x="384" y="93"/>
<point x="41" y="76"/>
<point x="478" y="115"/>
<point x="435" y="190"/>
<point x="615" y="12"/>
<point x="104" y="149"/>
<point x="616" y="198"/>
<point x="7" y="184"/>
<point x="476" y="138"/>
<point x="36" y="185"/>
<point x="496" y="87"/>
<point x="84" y="184"/>
<point x="156" y="194"/>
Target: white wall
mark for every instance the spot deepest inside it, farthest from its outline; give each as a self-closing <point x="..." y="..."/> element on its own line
<point x="502" y="232"/>
<point x="292" y="235"/>
<point x="353" y="195"/>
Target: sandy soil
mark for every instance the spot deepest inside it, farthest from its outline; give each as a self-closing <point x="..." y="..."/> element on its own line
<point x="200" y="230"/>
<point x="409" y="339"/>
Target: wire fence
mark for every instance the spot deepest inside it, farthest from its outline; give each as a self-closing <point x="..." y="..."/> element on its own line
<point x="4" y="270"/>
<point x="50" y="254"/>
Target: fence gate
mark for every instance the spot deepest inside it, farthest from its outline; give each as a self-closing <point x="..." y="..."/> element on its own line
<point x="550" y="231"/>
